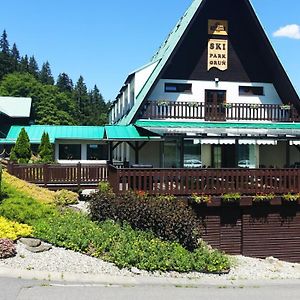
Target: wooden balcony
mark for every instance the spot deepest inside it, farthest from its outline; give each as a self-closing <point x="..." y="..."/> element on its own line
<point x="160" y="110"/>
<point x="182" y="182"/>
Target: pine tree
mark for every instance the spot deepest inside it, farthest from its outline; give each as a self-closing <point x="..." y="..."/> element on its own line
<point x="81" y="98"/>
<point x="15" y="54"/>
<point x="4" y="44"/>
<point x="45" y="149"/>
<point x="24" y="64"/>
<point x="45" y="75"/>
<point x="33" y="67"/>
<point x="64" y="83"/>
<point x="21" y="152"/>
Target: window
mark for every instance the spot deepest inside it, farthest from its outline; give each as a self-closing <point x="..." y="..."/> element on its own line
<point x="192" y="154"/>
<point x="69" y="151"/>
<point x="97" y="152"/>
<point x="251" y="91"/>
<point x="178" y="88"/>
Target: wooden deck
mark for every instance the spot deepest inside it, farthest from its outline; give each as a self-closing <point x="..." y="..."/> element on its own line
<point x="57" y="176"/>
<point x="182" y="182"/>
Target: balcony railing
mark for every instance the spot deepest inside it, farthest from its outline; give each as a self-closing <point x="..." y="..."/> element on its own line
<point x="205" y="181"/>
<point x="161" y="110"/>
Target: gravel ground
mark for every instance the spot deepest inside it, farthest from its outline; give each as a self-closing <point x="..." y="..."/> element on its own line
<point x="66" y="261"/>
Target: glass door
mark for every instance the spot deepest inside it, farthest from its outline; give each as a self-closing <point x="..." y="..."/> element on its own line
<point x="214" y="105"/>
<point x="171" y="154"/>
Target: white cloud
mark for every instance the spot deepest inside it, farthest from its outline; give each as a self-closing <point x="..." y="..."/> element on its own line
<point x="290" y="31"/>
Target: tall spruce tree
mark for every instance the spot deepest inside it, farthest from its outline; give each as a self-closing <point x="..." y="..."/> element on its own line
<point x="33" y="67"/>
<point x="45" y="150"/>
<point x="45" y="75"/>
<point x="4" y="44"/>
<point x="81" y="98"/>
<point x="15" y="54"/>
<point x="21" y="152"/>
<point x="24" y="64"/>
<point x="64" y="83"/>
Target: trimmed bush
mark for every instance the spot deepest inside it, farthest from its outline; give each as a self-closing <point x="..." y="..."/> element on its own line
<point x="7" y="248"/>
<point x="21" y="152"/>
<point x="64" y="198"/>
<point x="13" y="230"/>
<point x="45" y="150"/>
<point x="170" y="220"/>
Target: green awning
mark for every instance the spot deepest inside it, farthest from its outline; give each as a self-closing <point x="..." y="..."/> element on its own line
<point x="181" y="124"/>
<point x="128" y="133"/>
<point x="35" y="132"/>
<point x="223" y="129"/>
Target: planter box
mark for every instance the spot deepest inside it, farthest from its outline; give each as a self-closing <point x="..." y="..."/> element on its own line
<point x="246" y="201"/>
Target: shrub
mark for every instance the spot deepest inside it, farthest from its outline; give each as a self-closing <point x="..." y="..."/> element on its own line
<point x="125" y="246"/>
<point x="169" y="220"/>
<point x="18" y="187"/>
<point x="7" y="248"/>
<point x="21" y="152"/>
<point x="25" y="210"/>
<point x="45" y="150"/>
<point x="13" y="230"/>
<point x="64" y="197"/>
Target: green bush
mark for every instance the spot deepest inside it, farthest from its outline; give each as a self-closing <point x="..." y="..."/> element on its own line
<point x="45" y="150"/>
<point x="65" y="197"/>
<point x="21" y="152"/>
<point x="169" y="220"/>
<point x="126" y="247"/>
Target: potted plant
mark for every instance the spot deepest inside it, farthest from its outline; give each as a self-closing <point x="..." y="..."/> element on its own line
<point x="227" y="105"/>
<point x="194" y="104"/>
<point x="162" y="103"/>
<point x="285" y="107"/>
<point x="201" y="198"/>
<point x="263" y="198"/>
<point x="231" y="198"/>
<point x="290" y="198"/>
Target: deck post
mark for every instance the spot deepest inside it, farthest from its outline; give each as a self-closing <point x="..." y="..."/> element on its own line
<point x="46" y="174"/>
<point x="79" y="175"/>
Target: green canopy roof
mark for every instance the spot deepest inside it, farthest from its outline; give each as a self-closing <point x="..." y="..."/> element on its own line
<point x="181" y="124"/>
<point x="127" y="133"/>
<point x="35" y="133"/>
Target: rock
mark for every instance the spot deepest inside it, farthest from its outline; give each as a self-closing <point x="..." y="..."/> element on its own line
<point x="30" y="242"/>
<point x="272" y="260"/>
<point x="135" y="271"/>
<point x="41" y="248"/>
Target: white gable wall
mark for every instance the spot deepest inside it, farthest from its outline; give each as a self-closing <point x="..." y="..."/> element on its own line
<point x="199" y="87"/>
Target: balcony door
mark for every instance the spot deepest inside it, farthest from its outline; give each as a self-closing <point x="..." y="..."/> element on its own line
<point x="214" y="108"/>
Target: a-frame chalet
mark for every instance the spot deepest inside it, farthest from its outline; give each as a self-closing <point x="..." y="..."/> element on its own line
<point x="215" y="93"/>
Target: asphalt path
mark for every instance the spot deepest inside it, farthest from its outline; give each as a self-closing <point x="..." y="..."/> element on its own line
<point x="11" y="289"/>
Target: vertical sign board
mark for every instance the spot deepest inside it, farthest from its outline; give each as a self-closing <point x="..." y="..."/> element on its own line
<point x="217" y="48"/>
<point x="217" y="54"/>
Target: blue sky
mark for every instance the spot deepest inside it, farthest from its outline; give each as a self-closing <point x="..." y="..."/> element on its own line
<point x="104" y="40"/>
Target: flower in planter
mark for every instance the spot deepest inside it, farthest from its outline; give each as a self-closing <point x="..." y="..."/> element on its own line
<point x="231" y="198"/>
<point x="263" y="198"/>
<point x="162" y="103"/>
<point x="227" y="105"/>
<point x="254" y="105"/>
<point x="193" y="104"/>
<point x="285" y="107"/>
<point x="291" y="197"/>
<point x="201" y="198"/>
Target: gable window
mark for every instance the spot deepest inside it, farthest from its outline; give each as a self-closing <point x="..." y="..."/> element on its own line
<point x="251" y="91"/>
<point x="178" y="88"/>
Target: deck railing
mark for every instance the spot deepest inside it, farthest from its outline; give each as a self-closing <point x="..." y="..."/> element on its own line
<point x="220" y="112"/>
<point x="60" y="176"/>
<point x="205" y="181"/>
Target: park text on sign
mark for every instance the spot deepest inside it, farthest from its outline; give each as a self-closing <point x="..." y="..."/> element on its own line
<point x="218" y="27"/>
<point x="217" y="54"/>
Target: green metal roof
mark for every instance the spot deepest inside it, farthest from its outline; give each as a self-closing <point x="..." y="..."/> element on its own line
<point x="35" y="133"/>
<point x="163" y="55"/>
<point x="238" y="125"/>
<point x="127" y="133"/>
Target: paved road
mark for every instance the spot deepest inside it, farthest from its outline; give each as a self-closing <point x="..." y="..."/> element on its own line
<point x="11" y="289"/>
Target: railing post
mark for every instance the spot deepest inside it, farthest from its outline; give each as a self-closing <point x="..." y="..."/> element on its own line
<point x="46" y="174"/>
<point x="79" y="175"/>
<point x="113" y="178"/>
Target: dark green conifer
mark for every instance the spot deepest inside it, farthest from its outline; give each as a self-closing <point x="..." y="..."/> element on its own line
<point x="45" y="75"/>
<point x="45" y="149"/>
<point x="33" y="67"/>
<point x="64" y="83"/>
<point x="4" y="44"/>
<point x="21" y="152"/>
